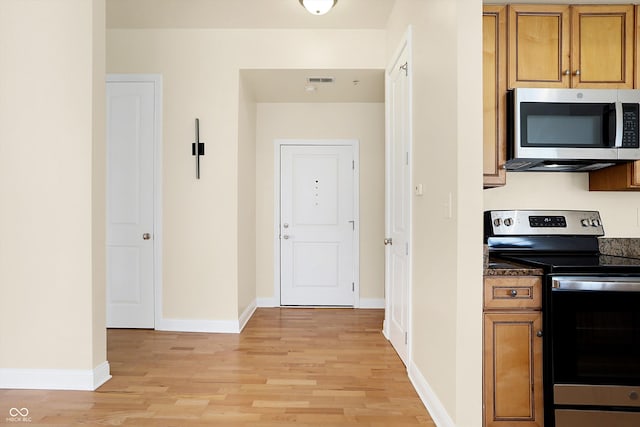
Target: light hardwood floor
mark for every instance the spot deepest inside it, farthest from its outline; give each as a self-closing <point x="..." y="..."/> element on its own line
<point x="302" y="367"/>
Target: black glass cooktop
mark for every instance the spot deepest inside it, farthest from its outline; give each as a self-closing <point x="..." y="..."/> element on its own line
<point x="583" y="264"/>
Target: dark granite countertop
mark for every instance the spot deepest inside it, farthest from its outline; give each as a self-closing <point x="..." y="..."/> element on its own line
<point x="497" y="267"/>
<point x="626" y="247"/>
<point x="611" y="246"/>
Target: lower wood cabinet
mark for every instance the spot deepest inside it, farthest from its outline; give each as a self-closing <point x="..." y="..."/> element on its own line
<point x="512" y="356"/>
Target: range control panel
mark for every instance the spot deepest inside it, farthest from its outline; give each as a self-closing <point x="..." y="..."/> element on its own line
<point x="543" y="222"/>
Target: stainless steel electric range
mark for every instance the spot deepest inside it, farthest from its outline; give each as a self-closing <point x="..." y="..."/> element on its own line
<point x="591" y="314"/>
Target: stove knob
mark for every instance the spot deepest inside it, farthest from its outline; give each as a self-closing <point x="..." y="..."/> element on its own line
<point x="497" y="222"/>
<point x="596" y="223"/>
<point x="508" y="222"/>
<point x="585" y="222"/>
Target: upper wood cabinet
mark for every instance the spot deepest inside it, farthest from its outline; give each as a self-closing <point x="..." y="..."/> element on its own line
<point x="494" y="77"/>
<point x="616" y="178"/>
<point x="571" y="46"/>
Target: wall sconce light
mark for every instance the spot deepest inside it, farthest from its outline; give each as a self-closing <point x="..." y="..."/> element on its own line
<point x="318" y="7"/>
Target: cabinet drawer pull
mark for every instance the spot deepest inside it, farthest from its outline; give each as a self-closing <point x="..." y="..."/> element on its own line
<point x="513" y="293"/>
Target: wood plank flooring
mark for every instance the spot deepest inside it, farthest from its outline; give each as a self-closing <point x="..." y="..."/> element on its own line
<point x="302" y="367"/>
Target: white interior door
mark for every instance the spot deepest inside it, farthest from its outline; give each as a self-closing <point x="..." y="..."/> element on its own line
<point x="398" y="208"/>
<point x="130" y="216"/>
<point x="317" y="225"/>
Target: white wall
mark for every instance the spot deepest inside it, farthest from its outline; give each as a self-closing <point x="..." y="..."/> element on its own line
<point x="620" y="210"/>
<point x="52" y="157"/>
<point x="201" y="70"/>
<point x="447" y="159"/>
<point x="361" y="121"/>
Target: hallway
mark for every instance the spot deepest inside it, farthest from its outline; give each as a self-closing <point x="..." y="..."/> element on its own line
<point x="297" y="366"/>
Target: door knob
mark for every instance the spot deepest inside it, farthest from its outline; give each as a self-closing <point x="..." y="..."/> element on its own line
<point x="146" y="236"/>
<point x="285" y="236"/>
<point x="388" y="241"/>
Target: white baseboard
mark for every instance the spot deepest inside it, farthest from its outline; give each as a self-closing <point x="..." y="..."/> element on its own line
<point x="364" y="302"/>
<point x="246" y="315"/>
<point x="269" y="302"/>
<point x="371" y="303"/>
<point x="196" y="325"/>
<point x="436" y="409"/>
<point x="55" y="379"/>
<point x="211" y="326"/>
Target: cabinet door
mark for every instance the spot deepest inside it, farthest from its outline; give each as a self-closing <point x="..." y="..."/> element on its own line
<point x="539" y="46"/>
<point x="513" y="369"/>
<point x="602" y="46"/>
<point x="494" y="60"/>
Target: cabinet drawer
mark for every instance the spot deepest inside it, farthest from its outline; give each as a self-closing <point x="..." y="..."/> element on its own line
<point x="513" y="292"/>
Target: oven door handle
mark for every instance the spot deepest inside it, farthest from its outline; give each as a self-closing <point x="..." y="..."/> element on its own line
<point x="595" y="284"/>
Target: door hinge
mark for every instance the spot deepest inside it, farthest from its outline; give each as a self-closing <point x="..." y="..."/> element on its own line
<point x="353" y="286"/>
<point x="407" y="159"/>
<point x="406" y="248"/>
<point x="353" y="164"/>
<point x="406" y="338"/>
<point x="405" y="67"/>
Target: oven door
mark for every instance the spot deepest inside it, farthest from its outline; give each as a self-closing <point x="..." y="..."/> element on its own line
<point x="595" y="350"/>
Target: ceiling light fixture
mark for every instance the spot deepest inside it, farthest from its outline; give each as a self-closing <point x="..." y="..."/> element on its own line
<point x="318" y="7"/>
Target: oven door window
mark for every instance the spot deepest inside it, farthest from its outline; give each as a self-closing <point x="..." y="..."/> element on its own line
<point x="595" y="337"/>
<point x="567" y="125"/>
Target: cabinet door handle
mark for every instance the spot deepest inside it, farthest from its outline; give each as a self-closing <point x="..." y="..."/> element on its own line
<point x="539" y="334"/>
<point x="567" y="72"/>
<point x="577" y="73"/>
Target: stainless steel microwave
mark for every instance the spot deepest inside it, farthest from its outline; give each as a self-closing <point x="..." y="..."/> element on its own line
<point x="572" y="129"/>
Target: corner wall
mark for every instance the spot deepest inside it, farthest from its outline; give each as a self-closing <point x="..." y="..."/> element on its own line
<point x="446" y="330"/>
<point x="52" y="263"/>
<point x="246" y="203"/>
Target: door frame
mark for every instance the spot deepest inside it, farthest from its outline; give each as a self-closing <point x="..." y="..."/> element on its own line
<point x="156" y="79"/>
<point x="355" y="146"/>
<point x="405" y="45"/>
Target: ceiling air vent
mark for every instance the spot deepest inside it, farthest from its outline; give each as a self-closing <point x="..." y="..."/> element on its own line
<point x="320" y="79"/>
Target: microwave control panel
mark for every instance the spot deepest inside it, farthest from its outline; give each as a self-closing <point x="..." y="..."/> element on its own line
<point x="630" y="127"/>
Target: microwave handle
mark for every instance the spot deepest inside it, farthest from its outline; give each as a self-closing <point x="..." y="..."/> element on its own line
<point x="619" y="125"/>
